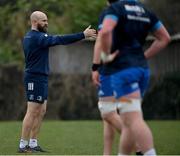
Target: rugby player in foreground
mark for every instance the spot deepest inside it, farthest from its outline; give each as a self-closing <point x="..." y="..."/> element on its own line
<point x="125" y="27"/>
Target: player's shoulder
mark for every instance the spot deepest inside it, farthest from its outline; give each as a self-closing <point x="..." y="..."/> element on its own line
<point x="147" y="10"/>
<point x="118" y="4"/>
<point x="122" y="5"/>
<point x="102" y="15"/>
<point x="117" y="7"/>
<point x="103" y="12"/>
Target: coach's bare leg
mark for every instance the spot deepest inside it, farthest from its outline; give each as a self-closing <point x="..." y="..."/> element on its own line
<point x="109" y="132"/>
<point x="139" y="130"/>
<point x="38" y="121"/>
<point x="33" y="110"/>
<point x="36" y="126"/>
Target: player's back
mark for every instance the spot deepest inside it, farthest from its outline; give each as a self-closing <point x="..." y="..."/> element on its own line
<point x="134" y="22"/>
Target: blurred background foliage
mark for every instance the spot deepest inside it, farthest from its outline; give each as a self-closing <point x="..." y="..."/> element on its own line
<point x="65" y="16"/>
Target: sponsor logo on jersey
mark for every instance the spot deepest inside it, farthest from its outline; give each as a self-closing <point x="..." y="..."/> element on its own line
<point x="138" y="18"/>
<point x="134" y="8"/>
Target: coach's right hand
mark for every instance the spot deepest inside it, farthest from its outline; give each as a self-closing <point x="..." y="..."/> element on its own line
<point x="90" y="33"/>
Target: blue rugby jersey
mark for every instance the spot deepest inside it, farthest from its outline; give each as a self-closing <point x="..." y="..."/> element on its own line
<point x="134" y="22"/>
<point x="36" y="49"/>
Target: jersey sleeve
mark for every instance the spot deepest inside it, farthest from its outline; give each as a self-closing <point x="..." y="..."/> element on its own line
<point x="46" y="40"/>
<point x="112" y="13"/>
<point x="101" y="18"/>
<point x="155" y="23"/>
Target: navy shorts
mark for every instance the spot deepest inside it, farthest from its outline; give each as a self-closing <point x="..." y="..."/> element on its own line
<point x="124" y="82"/>
<point x="36" y="89"/>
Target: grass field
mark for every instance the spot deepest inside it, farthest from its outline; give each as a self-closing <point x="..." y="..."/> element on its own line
<point x="85" y="137"/>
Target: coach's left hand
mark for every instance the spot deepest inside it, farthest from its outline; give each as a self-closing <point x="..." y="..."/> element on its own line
<point x="90" y="33"/>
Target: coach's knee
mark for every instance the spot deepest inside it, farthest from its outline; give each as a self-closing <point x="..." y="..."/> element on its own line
<point x="34" y="113"/>
<point x="43" y="109"/>
<point x="34" y="110"/>
<point x="42" y="112"/>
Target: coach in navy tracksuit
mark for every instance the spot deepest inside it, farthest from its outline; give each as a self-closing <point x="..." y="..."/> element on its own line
<point x="36" y="45"/>
<point x="124" y="27"/>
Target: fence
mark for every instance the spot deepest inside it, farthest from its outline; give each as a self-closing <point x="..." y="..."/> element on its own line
<point x="71" y="93"/>
<point x="77" y="58"/>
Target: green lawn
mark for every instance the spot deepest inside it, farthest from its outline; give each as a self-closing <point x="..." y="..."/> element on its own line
<point x="85" y="137"/>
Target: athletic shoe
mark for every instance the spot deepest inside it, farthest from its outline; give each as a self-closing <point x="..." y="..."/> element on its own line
<point x="37" y="149"/>
<point x="139" y="153"/>
<point x="26" y="149"/>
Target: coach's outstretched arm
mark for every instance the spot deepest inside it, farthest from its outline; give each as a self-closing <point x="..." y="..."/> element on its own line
<point x="46" y="40"/>
<point x="162" y="39"/>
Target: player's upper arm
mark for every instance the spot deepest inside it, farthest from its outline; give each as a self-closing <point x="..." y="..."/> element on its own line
<point x="162" y="34"/>
<point x="156" y="26"/>
<point x="158" y="29"/>
<point x="109" y="23"/>
<point x="110" y="19"/>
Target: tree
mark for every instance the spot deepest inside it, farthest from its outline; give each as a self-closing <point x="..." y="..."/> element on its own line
<point x="64" y="17"/>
